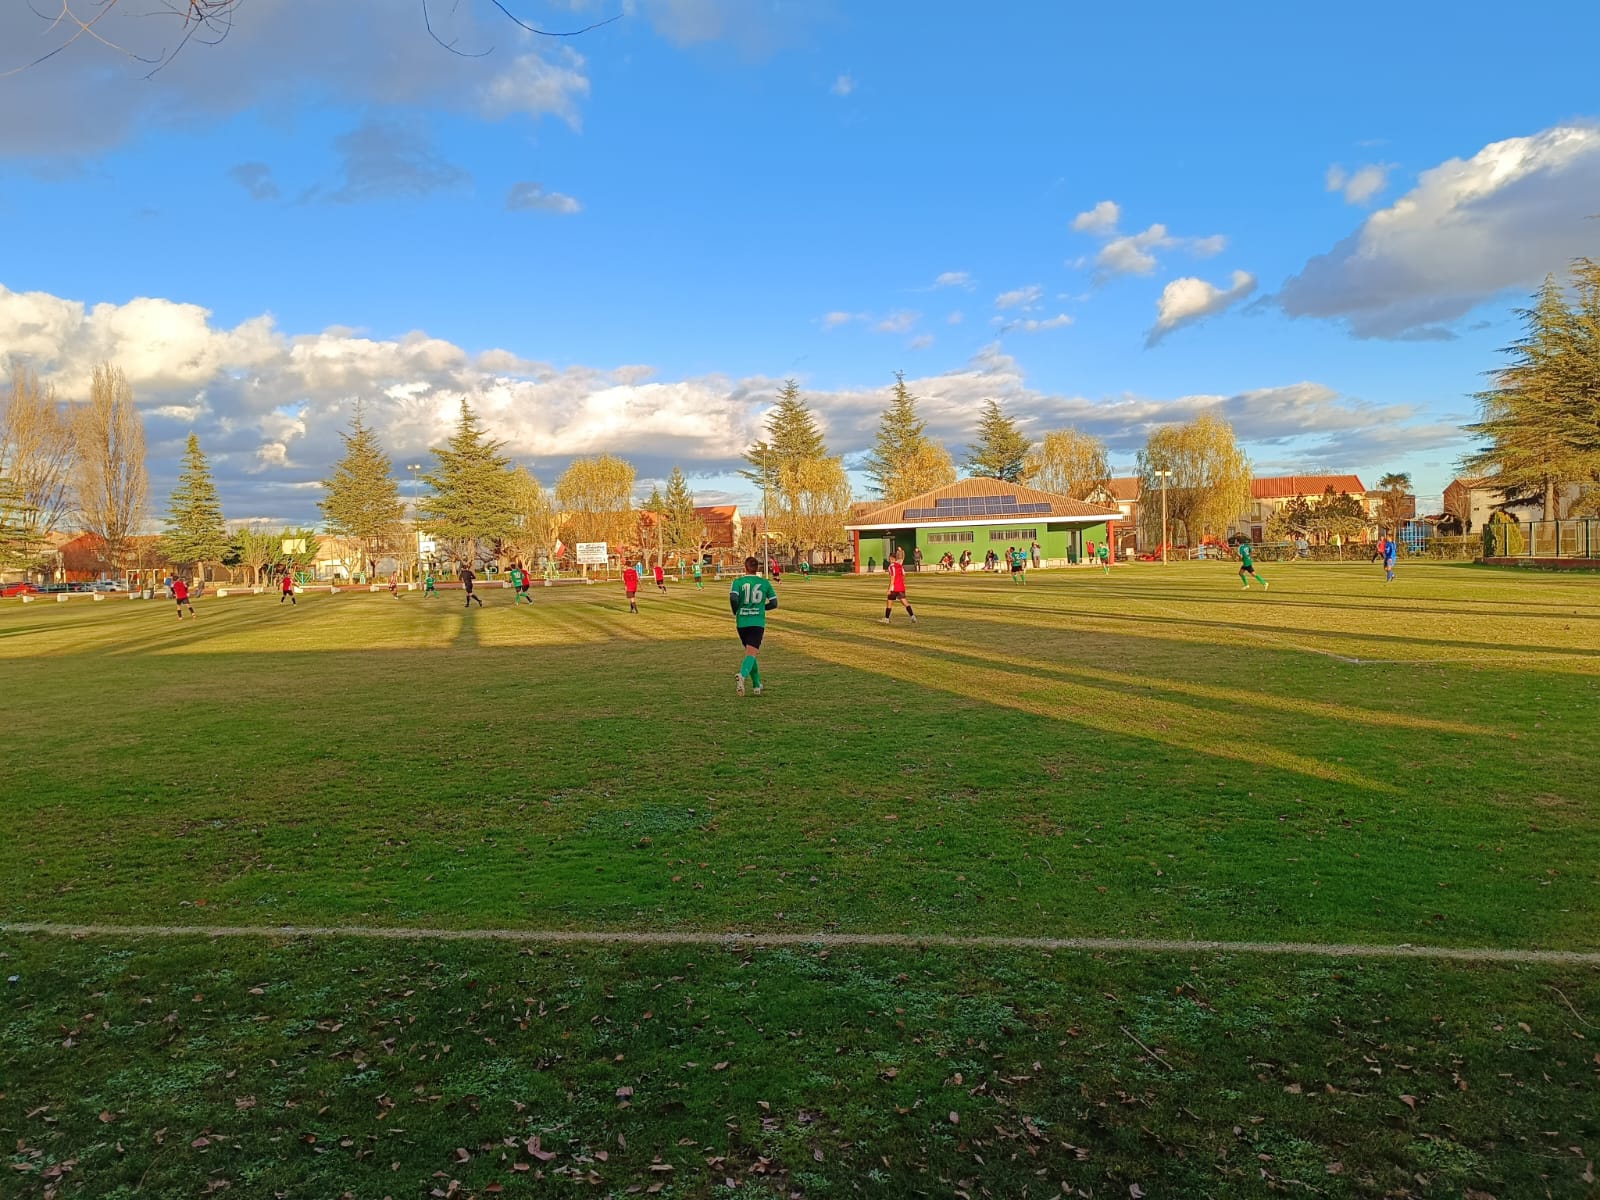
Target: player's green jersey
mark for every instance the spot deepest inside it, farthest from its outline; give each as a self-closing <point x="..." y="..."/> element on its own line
<point x="516" y="577"/>
<point x="1244" y="555"/>
<point x="1103" y="551"/>
<point x="752" y="595"/>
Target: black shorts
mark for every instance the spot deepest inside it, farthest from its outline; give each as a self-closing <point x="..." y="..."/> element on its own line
<point x="182" y="600"/>
<point x="897" y="595"/>
<point x="1248" y="569"/>
<point x="632" y="594"/>
<point x="751" y="635"/>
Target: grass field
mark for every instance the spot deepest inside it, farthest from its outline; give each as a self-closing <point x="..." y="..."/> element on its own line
<point x="1153" y="754"/>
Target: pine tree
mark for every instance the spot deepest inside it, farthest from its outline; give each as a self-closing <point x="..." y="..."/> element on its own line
<point x="363" y="498"/>
<point x="792" y="437"/>
<point x="195" y="530"/>
<point x="472" y="501"/>
<point x="1530" y="418"/>
<point x="1001" y="448"/>
<point x="683" y="527"/>
<point x="904" y="460"/>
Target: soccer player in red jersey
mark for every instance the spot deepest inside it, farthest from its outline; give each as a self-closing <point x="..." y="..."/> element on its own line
<point x="180" y="593"/>
<point x="630" y="584"/>
<point x="897" y="588"/>
<point x="288" y="590"/>
<point x="661" y="579"/>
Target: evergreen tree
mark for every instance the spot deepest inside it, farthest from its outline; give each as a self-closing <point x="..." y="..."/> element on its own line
<point x="1533" y="417"/>
<point x="683" y="527"/>
<point x="15" y="542"/>
<point x="195" y="530"/>
<point x="363" y="498"/>
<point x="1001" y="448"/>
<point x="473" y="499"/>
<point x="792" y="437"/>
<point x="904" y="461"/>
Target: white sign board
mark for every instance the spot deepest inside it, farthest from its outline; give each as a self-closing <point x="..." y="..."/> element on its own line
<point x="593" y="554"/>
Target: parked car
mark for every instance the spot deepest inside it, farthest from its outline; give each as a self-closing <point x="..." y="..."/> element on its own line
<point x="110" y="585"/>
<point x="18" y="589"/>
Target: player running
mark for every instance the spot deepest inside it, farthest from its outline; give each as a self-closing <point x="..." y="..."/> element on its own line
<point x="661" y="579"/>
<point x="699" y="577"/>
<point x="630" y="584"/>
<point x="1390" y="552"/>
<point x="394" y="584"/>
<point x="897" y="588"/>
<point x="180" y="593"/>
<point x="751" y="599"/>
<point x="1247" y="567"/>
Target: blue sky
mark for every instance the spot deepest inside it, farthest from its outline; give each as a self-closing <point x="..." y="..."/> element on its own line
<point x="1315" y="223"/>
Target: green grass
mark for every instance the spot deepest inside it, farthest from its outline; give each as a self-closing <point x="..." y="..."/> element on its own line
<point x="1154" y="753"/>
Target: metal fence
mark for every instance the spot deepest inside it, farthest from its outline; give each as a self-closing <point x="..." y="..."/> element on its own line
<point x="1542" y="539"/>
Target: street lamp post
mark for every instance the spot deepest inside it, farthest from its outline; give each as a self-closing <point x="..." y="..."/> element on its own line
<point x="766" y="523"/>
<point x="1165" y="475"/>
<point x="416" y="529"/>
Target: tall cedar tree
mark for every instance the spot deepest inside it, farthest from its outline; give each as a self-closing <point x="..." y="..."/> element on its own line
<point x="1001" y="448"/>
<point x="1531" y="418"/>
<point x="363" y="498"/>
<point x="683" y="526"/>
<point x="15" y="542"/>
<point x="472" y="502"/>
<point x="792" y="437"/>
<point x="195" y="533"/>
<point x="904" y="460"/>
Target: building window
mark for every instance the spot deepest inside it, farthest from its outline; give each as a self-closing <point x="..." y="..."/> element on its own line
<point x="942" y="539"/>
<point x="1013" y="535"/>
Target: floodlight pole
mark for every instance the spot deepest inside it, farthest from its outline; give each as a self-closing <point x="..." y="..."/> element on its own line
<point x="416" y="528"/>
<point x="766" y="526"/>
<point x="1165" y="475"/>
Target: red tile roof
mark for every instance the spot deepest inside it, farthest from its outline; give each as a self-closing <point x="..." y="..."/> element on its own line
<point x="1286" y="487"/>
<point x="1060" y="506"/>
<point x="1124" y="487"/>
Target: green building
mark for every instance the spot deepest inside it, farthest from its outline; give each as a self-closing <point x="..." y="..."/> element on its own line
<point x="979" y="515"/>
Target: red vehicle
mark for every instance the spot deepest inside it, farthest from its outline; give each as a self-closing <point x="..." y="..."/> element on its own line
<point x="18" y="589"/>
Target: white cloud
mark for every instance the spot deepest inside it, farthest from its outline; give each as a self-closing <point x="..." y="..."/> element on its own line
<point x="955" y="318"/>
<point x="835" y="319"/>
<point x="1468" y="230"/>
<point x="1022" y="297"/>
<point x="532" y="197"/>
<point x="1059" y="321"/>
<point x="268" y="404"/>
<point x="1131" y="255"/>
<point x="1359" y="185"/>
<point x="958" y="279"/>
<point x="534" y="86"/>
<point x="921" y="341"/>
<point x="843" y="86"/>
<point x="1185" y="301"/>
<point x="1101" y="219"/>
<point x="897" y="322"/>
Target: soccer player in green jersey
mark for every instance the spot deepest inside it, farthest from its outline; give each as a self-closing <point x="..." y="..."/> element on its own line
<point x="1105" y="558"/>
<point x="427" y="586"/>
<point x="752" y="597"/>
<point x="1247" y="567"/>
<point x="699" y="580"/>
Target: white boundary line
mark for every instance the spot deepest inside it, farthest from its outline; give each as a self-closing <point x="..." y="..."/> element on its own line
<point x="593" y="937"/>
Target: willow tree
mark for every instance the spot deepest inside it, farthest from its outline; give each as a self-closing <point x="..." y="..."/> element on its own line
<point x="37" y="455"/>
<point x="594" y="497"/>
<point x="1209" y="486"/>
<point x="1067" y="462"/>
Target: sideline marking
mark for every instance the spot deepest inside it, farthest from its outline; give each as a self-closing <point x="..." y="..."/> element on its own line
<point x="1586" y="958"/>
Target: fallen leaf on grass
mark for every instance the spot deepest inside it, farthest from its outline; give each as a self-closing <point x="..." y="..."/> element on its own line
<point x="1409" y="1101"/>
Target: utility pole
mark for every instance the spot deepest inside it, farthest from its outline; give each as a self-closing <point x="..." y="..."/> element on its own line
<point x="416" y="528"/>
<point x="1165" y="475"/>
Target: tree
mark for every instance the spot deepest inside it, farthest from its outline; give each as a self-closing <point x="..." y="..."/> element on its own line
<point x="683" y="526"/>
<point x="1067" y="463"/>
<point x="820" y="489"/>
<point x="595" y="499"/>
<point x="1338" y="513"/>
<point x="792" y="435"/>
<point x="1540" y="419"/>
<point x="362" y="500"/>
<point x="471" y="503"/>
<point x="1001" y="448"/>
<point x="112" y="482"/>
<point x="534" y="522"/>
<point x="254" y="550"/>
<point x="1395" y="490"/>
<point x="195" y="532"/>
<point x="1293" y="520"/>
<point x="36" y="453"/>
<point x="15" y="545"/>
<point x="1210" y="483"/>
<point x="904" y="461"/>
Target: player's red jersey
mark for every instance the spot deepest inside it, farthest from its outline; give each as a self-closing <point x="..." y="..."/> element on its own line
<point x="897" y="577"/>
<point x="180" y="590"/>
<point x="288" y="584"/>
<point x="630" y="579"/>
<point x="658" y="575"/>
